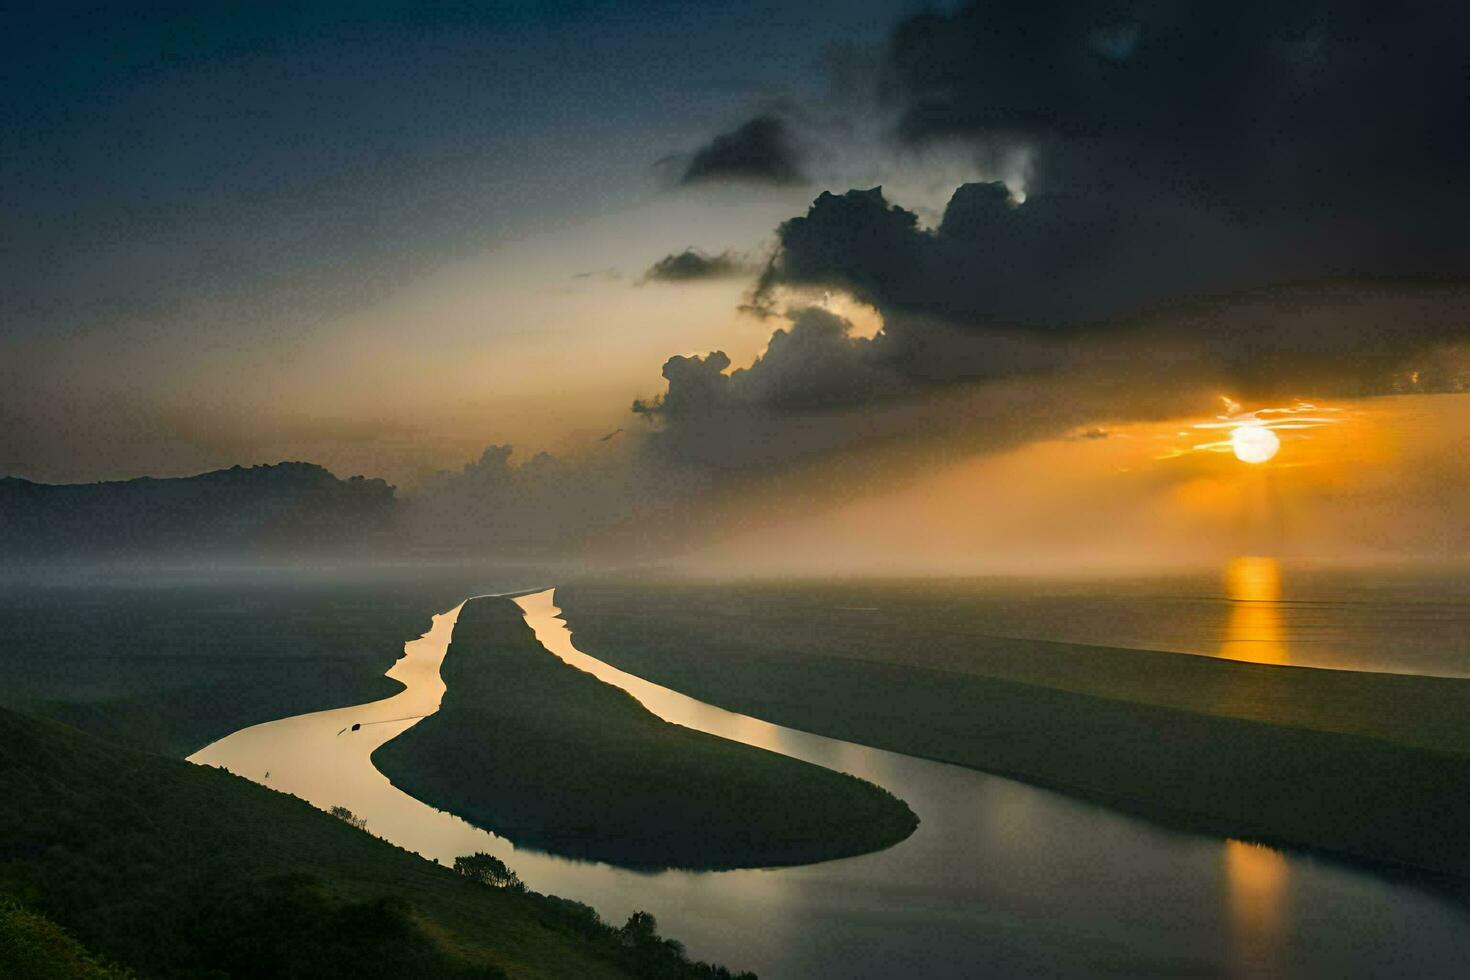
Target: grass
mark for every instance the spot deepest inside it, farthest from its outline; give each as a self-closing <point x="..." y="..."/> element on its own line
<point x="1371" y="766"/>
<point x="550" y="757"/>
<point x="170" y="869"/>
<point x="35" y="948"/>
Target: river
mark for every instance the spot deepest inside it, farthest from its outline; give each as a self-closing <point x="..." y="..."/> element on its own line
<point x="1000" y="879"/>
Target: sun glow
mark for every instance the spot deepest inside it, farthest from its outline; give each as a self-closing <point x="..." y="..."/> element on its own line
<point x="1254" y="443"/>
<point x="1253" y="437"/>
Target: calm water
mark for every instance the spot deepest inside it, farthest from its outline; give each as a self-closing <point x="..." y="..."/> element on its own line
<point x="1000" y="879"/>
<point x="1411" y="621"/>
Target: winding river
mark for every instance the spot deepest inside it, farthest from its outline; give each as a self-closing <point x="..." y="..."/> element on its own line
<point x="1000" y="879"/>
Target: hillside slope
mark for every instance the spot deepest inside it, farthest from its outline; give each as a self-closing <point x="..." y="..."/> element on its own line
<point x="172" y="869"/>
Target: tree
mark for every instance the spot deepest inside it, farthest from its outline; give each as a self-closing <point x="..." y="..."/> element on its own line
<point x="347" y="816"/>
<point x="488" y="869"/>
<point x="640" y="929"/>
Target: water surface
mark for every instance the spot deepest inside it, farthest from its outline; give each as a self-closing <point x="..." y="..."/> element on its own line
<point x="1409" y="620"/>
<point x="1258" y="608"/>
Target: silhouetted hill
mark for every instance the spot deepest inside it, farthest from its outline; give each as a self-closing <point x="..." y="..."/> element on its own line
<point x="283" y="509"/>
<point x="175" y="870"/>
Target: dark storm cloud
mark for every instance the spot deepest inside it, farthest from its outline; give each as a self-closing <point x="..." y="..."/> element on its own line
<point x="814" y="364"/>
<point x="761" y="150"/>
<point x="692" y="265"/>
<point x="1292" y="103"/>
<point x="1059" y="261"/>
<point x="819" y="392"/>
<point x="1177" y="152"/>
<point x="1063" y="270"/>
<point x="1304" y="139"/>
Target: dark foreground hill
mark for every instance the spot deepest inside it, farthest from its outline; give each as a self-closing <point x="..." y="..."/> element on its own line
<point x="287" y="508"/>
<point x="174" y="870"/>
<point x="550" y="757"/>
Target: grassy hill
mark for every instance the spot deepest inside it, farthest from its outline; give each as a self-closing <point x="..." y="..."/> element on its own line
<point x="32" y="947"/>
<point x="548" y="756"/>
<point x="175" y="870"/>
<point x="1371" y="766"/>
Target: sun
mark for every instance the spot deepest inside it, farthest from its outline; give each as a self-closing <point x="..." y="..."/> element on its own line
<point x="1254" y="436"/>
<point x="1254" y="443"/>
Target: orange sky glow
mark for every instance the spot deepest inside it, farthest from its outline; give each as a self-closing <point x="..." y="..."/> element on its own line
<point x="1370" y="482"/>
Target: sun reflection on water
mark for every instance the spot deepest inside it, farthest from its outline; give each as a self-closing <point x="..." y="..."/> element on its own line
<point x="1253" y="630"/>
<point x="1257" y="879"/>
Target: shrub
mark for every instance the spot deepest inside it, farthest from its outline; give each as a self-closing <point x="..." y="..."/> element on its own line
<point x="488" y="869"/>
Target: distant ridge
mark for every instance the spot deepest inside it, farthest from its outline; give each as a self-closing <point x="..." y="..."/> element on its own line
<point x="286" y="509"/>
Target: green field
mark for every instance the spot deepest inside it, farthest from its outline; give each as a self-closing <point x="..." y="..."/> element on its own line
<point x="549" y="756"/>
<point x="1371" y="766"/>
<point x="175" y="870"/>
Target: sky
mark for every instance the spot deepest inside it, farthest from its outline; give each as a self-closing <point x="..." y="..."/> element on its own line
<point x="230" y="234"/>
<point x="754" y="273"/>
